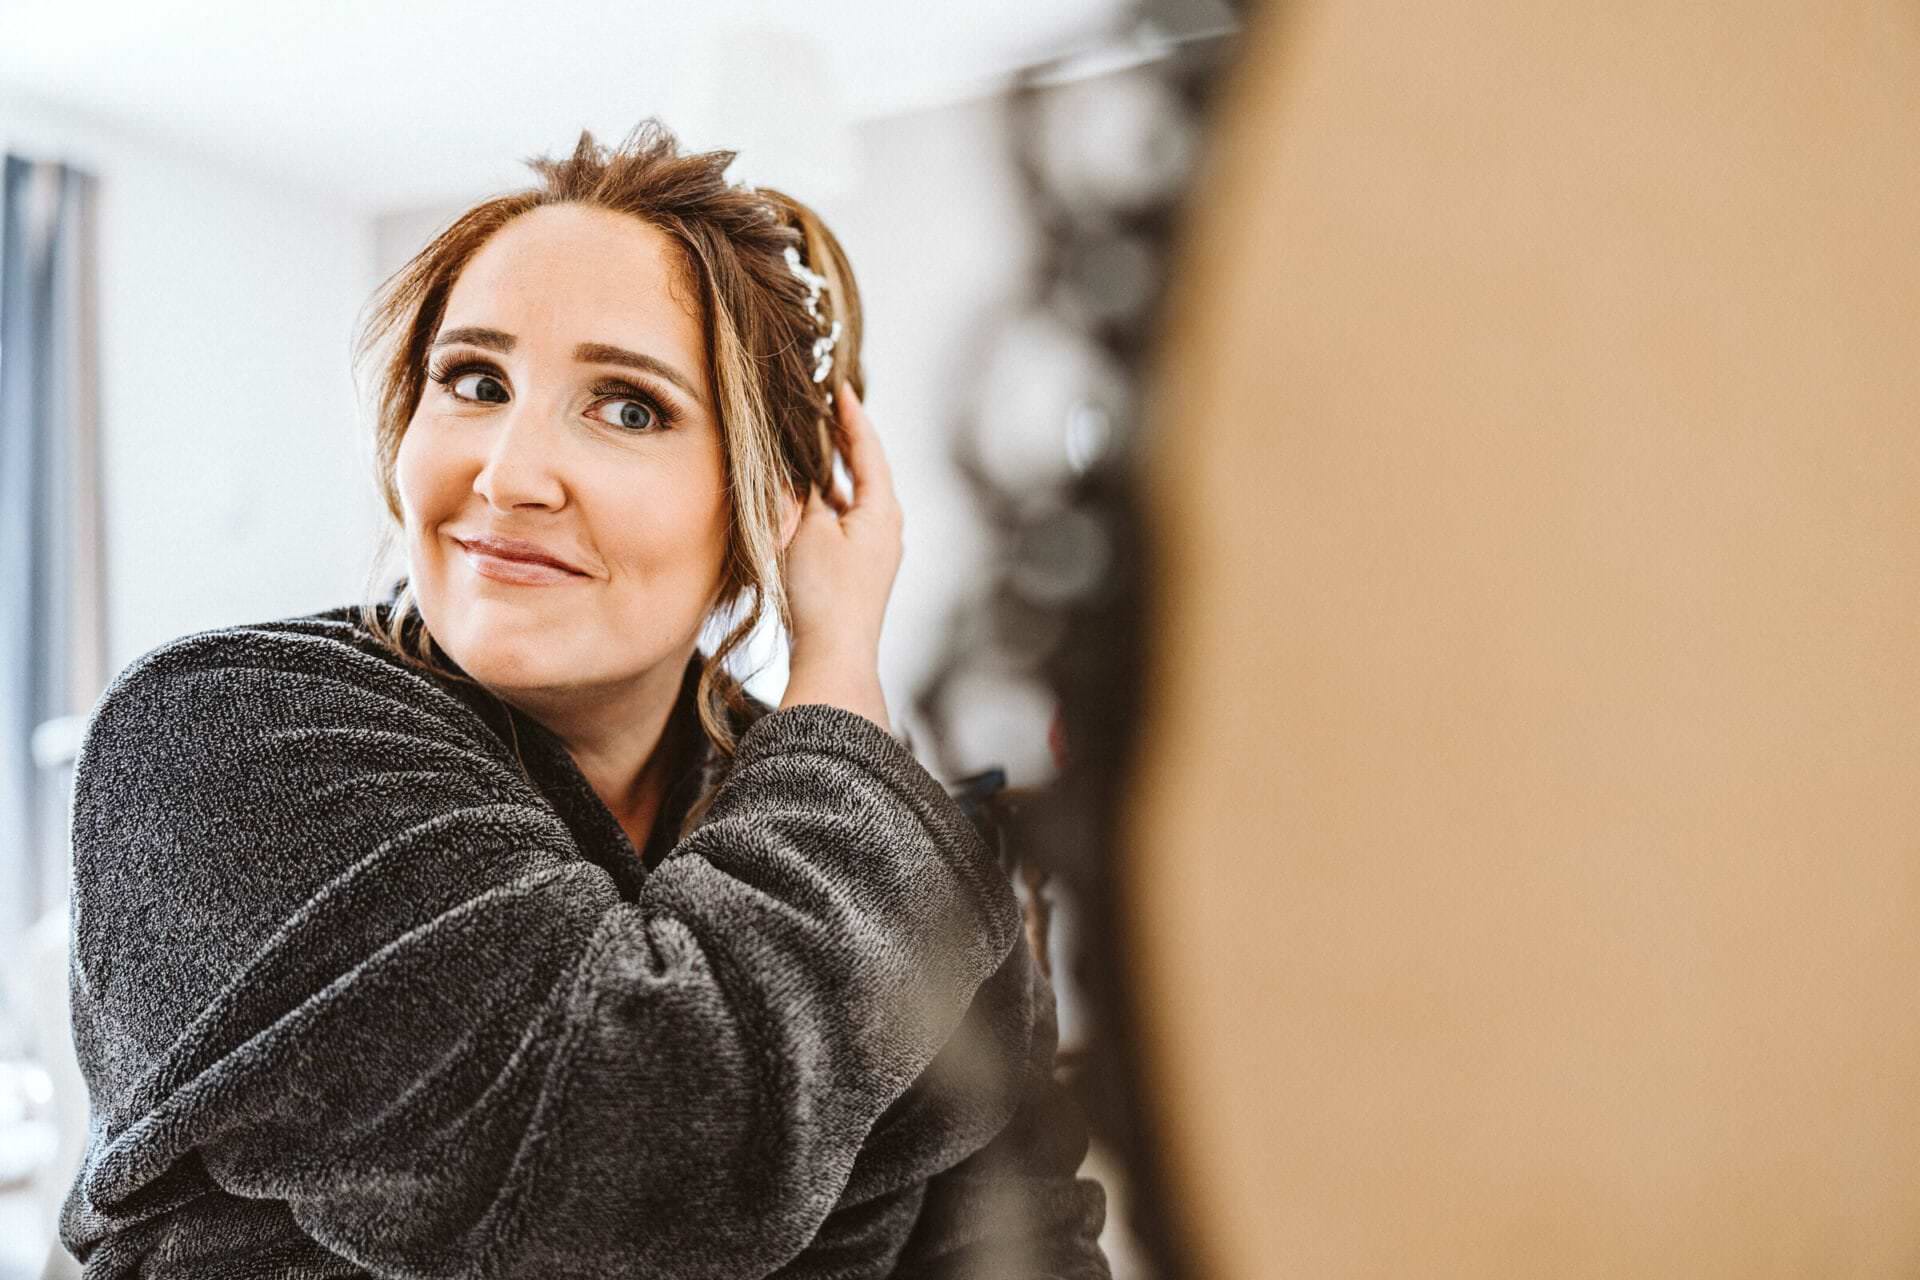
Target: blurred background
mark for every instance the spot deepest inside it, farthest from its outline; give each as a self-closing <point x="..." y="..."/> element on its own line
<point x="1417" y="509"/>
<point x="199" y="199"/>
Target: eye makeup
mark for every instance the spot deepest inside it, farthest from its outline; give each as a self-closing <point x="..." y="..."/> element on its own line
<point x="448" y="368"/>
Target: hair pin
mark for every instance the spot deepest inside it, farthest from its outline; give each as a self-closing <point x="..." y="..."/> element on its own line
<point x="824" y="344"/>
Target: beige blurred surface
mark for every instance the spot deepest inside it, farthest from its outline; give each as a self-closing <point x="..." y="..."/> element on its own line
<point x="1527" y="847"/>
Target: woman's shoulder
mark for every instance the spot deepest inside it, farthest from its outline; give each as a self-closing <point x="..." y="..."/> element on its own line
<point x="340" y="638"/>
<point x="272" y="669"/>
<point x="328" y="637"/>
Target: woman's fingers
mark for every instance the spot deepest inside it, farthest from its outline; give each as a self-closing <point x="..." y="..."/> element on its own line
<point x="866" y="461"/>
<point x="835" y="497"/>
<point x="822" y="499"/>
<point x="840" y="570"/>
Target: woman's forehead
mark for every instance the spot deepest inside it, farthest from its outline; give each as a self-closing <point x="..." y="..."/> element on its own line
<point x="578" y="274"/>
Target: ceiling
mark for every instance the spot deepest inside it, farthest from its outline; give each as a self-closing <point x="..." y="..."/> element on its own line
<point x="391" y="106"/>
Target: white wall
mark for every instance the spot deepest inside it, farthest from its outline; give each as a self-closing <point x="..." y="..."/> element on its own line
<point x="235" y="486"/>
<point x="934" y="230"/>
<point x="937" y="238"/>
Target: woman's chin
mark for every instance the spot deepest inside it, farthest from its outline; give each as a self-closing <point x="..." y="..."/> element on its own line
<point x="504" y="652"/>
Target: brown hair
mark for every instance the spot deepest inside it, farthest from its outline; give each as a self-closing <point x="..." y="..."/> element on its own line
<point x="776" y="426"/>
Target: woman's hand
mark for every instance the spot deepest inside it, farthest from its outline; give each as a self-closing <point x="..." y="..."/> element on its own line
<point x="839" y="568"/>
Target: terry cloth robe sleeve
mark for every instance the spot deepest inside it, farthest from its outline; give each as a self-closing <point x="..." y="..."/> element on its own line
<point x="331" y="949"/>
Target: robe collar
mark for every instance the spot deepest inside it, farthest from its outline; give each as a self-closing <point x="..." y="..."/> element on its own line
<point x="695" y="767"/>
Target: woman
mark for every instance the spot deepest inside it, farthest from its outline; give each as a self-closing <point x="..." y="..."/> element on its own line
<point x="491" y="929"/>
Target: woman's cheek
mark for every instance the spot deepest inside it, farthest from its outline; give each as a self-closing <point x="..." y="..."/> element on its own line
<point x="409" y="464"/>
<point x="670" y="547"/>
<point x="427" y="473"/>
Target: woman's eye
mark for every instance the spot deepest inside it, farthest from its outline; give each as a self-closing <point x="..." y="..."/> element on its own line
<point x="456" y="381"/>
<point x="636" y="411"/>
<point x="631" y="415"/>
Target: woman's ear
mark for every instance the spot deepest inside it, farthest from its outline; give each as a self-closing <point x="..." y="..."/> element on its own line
<point x="791" y="509"/>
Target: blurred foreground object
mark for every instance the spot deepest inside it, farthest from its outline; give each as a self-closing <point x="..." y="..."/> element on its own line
<point x="1522" y="875"/>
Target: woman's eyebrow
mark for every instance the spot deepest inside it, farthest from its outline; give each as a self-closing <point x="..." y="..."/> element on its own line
<point x="586" y="353"/>
<point x="603" y="353"/>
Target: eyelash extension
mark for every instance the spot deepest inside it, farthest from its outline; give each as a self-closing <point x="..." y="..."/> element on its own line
<point x="666" y="417"/>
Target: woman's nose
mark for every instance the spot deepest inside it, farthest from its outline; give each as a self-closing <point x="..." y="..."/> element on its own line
<point x="520" y="466"/>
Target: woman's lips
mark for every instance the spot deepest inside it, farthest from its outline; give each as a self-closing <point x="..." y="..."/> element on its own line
<point x="525" y="573"/>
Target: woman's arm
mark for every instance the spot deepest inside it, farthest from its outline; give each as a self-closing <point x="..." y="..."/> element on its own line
<point x="332" y="950"/>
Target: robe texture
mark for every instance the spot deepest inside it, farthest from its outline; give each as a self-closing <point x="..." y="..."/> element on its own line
<point x="367" y="981"/>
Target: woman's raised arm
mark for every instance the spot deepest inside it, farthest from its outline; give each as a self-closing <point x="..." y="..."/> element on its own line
<point x="331" y="949"/>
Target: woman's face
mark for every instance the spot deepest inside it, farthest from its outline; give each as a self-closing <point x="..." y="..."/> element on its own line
<point x="543" y="430"/>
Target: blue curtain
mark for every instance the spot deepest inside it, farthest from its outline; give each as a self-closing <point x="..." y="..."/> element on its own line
<point x="52" y="643"/>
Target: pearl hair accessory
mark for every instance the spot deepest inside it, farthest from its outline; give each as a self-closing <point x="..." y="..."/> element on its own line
<point x="822" y="345"/>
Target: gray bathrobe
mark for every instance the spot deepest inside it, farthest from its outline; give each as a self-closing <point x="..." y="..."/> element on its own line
<point x="354" y="995"/>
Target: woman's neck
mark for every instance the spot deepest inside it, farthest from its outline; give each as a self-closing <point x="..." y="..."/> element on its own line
<point x="648" y="796"/>
<point x="619" y="741"/>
